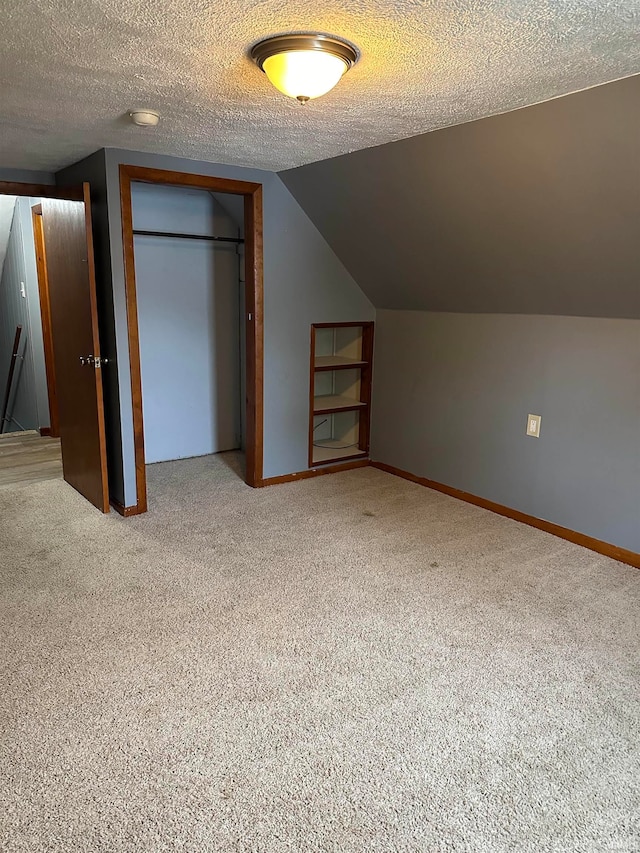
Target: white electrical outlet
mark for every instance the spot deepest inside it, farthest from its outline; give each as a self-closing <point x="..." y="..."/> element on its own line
<point x="533" y="425"/>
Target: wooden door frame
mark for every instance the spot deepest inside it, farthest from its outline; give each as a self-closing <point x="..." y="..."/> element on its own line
<point x="42" y="191"/>
<point x="254" y="305"/>
<point x="45" y="319"/>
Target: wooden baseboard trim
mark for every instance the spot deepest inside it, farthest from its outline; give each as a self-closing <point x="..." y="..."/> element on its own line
<point x="315" y="472"/>
<point x="126" y="511"/>
<point x="605" y="548"/>
<point x="45" y="432"/>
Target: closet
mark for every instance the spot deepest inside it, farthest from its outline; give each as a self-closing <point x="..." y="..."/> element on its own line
<point x="189" y="266"/>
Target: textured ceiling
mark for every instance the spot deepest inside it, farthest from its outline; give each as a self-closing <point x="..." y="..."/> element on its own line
<point x="70" y="70"/>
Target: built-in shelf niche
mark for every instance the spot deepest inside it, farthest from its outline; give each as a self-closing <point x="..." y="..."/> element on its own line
<point x="340" y="398"/>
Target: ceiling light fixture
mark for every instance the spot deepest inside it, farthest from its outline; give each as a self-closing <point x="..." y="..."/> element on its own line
<point x="304" y="66"/>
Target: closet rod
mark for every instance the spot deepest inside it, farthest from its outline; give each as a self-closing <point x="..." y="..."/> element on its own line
<point x="189" y="236"/>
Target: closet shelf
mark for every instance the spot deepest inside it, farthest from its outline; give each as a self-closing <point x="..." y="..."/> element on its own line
<point x="331" y="454"/>
<point x="336" y="362"/>
<point x="328" y="403"/>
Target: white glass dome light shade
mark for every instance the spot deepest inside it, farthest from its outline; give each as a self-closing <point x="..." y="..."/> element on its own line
<point x="304" y="66"/>
<point x="304" y="74"/>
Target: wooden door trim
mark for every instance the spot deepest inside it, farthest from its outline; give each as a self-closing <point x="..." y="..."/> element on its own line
<point x="42" y="191"/>
<point x="45" y="318"/>
<point x="254" y="300"/>
<point x="124" y="511"/>
<point x="91" y="272"/>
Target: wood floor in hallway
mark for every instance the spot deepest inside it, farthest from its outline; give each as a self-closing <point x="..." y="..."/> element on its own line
<point x="28" y="457"/>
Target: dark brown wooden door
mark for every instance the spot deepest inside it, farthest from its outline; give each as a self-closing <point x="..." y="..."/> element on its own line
<point x="76" y="346"/>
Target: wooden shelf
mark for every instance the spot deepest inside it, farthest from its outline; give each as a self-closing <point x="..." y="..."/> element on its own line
<point x="333" y="403"/>
<point x="336" y="362"/>
<point x="335" y="454"/>
<point x="340" y="391"/>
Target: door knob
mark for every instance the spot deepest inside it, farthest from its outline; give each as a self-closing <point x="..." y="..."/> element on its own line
<point x="96" y="361"/>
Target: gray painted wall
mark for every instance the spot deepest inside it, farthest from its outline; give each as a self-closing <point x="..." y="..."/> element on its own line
<point x="536" y="211"/>
<point x="451" y="397"/>
<point x="303" y="283"/>
<point x="189" y="323"/>
<point x="25" y="176"/>
<point x="29" y="403"/>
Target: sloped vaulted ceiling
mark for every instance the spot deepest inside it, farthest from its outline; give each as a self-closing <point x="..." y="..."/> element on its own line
<point x="71" y="69"/>
<point x="535" y="211"/>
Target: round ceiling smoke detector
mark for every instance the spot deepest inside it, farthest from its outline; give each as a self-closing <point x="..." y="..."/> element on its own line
<point x="144" y="118"/>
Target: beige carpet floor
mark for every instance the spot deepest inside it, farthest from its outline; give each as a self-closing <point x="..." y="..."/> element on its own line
<point x="349" y="663"/>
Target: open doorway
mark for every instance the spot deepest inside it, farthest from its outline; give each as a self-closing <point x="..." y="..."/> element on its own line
<point x="189" y="263"/>
<point x="50" y="364"/>
<point x="29" y="431"/>
<point x="193" y="277"/>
